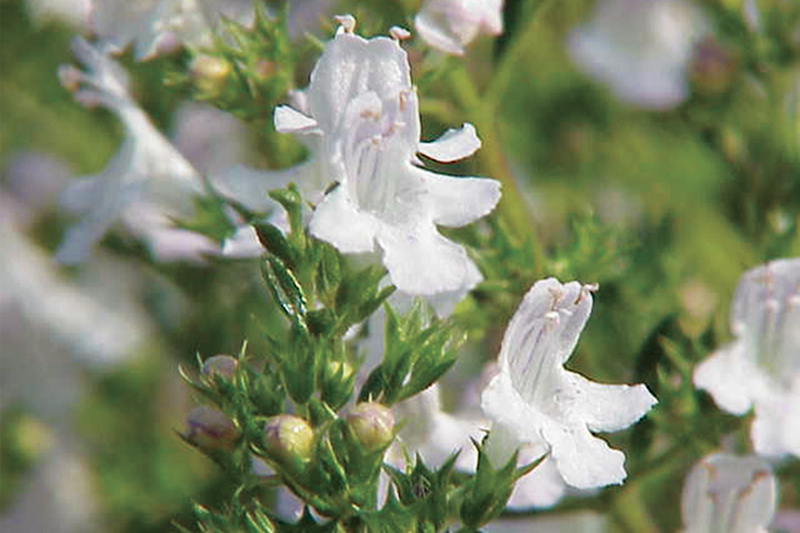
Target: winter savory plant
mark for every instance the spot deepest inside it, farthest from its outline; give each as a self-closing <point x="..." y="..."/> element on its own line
<point x="420" y="365"/>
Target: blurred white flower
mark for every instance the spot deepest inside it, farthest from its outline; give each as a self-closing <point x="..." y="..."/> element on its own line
<point x="641" y="49"/>
<point x="450" y="25"/>
<point x="535" y="402"/>
<point x="434" y="433"/>
<point x="728" y="493"/>
<point x="147" y="181"/>
<point x="73" y="12"/>
<point x="362" y="125"/>
<point x="157" y="25"/>
<point x="761" y="367"/>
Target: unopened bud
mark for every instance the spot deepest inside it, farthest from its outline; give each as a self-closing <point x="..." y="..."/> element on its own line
<point x="266" y="69"/>
<point x="220" y="365"/>
<point x="210" y="73"/>
<point x="289" y="437"/>
<point x="713" y="67"/>
<point x="373" y="425"/>
<point x="210" y="429"/>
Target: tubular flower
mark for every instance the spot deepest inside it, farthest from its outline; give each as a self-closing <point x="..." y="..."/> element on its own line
<point x="640" y="49"/>
<point x="728" y="493"/>
<point x="761" y="367"/>
<point x="535" y="402"/>
<point x="449" y="25"/>
<point x="155" y="25"/>
<point x="147" y="181"/>
<point x="362" y="124"/>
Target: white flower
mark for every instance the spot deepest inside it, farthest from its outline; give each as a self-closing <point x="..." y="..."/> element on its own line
<point x="534" y="401"/>
<point x="434" y="433"/>
<point x="449" y="25"/>
<point x="146" y="182"/>
<point x="761" y="367"/>
<point x="728" y="493"/>
<point x="73" y="12"/>
<point x="362" y="125"/>
<point x="641" y="49"/>
<point x="153" y="25"/>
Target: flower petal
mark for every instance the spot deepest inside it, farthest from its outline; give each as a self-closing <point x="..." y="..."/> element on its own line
<point x="350" y="66"/>
<point x="420" y="261"/>
<point x="541" y="488"/>
<point x="606" y="407"/>
<point x="729" y="378"/>
<point x="337" y="221"/>
<point x="250" y="186"/>
<point x="728" y="493"/>
<point x="453" y="145"/>
<point x="584" y="460"/>
<point x="775" y="430"/>
<point x="288" y="120"/>
<point x="542" y="335"/>
<point x="459" y="201"/>
<point x="436" y="35"/>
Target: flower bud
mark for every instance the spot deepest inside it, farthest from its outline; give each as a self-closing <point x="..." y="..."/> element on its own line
<point x="210" y="74"/>
<point x="713" y="67"/>
<point x="373" y="425"/>
<point x="223" y="366"/>
<point x="289" y="437"/>
<point x="209" y="428"/>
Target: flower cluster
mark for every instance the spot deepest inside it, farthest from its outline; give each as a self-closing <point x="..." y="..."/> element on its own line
<point x="365" y="189"/>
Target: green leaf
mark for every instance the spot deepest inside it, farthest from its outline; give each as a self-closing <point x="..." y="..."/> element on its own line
<point x="273" y="240"/>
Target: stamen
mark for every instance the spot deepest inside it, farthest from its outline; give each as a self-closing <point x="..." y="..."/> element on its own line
<point x="399" y="34"/>
<point x="347" y="23"/>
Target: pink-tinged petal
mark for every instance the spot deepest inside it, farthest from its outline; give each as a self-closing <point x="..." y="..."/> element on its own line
<point x="584" y="460"/>
<point x="459" y="201"/>
<point x="731" y="379"/>
<point x="604" y="407"/>
<point x="337" y="221"/>
<point x="287" y="120"/>
<point x="420" y="261"/>
<point x="453" y="145"/>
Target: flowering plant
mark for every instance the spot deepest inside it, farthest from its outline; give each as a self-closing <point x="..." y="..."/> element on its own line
<point x="353" y="266"/>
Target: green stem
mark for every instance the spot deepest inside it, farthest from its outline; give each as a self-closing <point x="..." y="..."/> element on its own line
<point x="491" y="158"/>
<point x="508" y="70"/>
<point x="629" y="511"/>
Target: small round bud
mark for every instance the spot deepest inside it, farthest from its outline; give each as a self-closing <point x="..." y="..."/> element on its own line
<point x="373" y="425"/>
<point x="266" y="69"/>
<point x="289" y="437"/>
<point x="713" y="67"/>
<point x="211" y="429"/>
<point x="210" y="73"/>
<point x="220" y="365"/>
